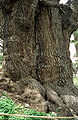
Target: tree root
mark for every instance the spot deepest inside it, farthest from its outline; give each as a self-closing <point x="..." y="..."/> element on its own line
<point x="47" y="98"/>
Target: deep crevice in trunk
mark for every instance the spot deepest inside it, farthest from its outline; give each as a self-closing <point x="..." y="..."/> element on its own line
<point x="38" y="45"/>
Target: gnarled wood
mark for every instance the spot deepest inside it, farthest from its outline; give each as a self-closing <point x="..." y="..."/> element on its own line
<point x="37" y="47"/>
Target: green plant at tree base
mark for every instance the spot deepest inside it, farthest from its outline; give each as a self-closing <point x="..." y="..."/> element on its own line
<point x="7" y="106"/>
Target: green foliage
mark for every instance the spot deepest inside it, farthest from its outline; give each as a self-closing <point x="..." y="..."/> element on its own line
<point x="76" y="43"/>
<point x="4" y="94"/>
<point x="75" y="80"/>
<point x="76" y="33"/>
<point x="0" y="65"/>
<point x="1" y="58"/>
<point x="7" y="106"/>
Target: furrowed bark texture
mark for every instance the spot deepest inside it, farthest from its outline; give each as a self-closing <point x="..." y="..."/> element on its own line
<point x="36" y="54"/>
<point x="1" y="24"/>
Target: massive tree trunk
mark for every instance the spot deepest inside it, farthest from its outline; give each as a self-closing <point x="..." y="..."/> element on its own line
<point x="36" y="53"/>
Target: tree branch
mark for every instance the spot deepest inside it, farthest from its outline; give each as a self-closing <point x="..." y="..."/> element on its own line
<point x="49" y="3"/>
<point x="1" y="46"/>
<point x="69" y="19"/>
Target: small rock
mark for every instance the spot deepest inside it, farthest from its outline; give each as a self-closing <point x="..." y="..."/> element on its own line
<point x="26" y="105"/>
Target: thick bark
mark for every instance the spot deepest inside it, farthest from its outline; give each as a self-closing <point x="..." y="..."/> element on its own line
<point x="36" y="54"/>
<point x="1" y="24"/>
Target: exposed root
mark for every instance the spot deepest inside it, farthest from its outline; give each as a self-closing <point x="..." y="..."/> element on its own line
<point x="44" y="98"/>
